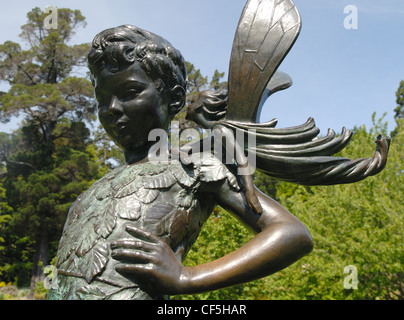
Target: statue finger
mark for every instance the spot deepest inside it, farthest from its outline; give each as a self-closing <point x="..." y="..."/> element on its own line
<point x="142" y="234"/>
<point x="132" y="256"/>
<point x="134" y="269"/>
<point x="132" y="244"/>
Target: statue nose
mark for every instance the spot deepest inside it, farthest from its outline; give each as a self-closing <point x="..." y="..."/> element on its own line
<point x="115" y="107"/>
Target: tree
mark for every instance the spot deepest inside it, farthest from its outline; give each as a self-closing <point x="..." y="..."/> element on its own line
<point x="42" y="88"/>
<point x="41" y="198"/>
<point x="196" y="81"/>
<point x="399" y="110"/>
<point x="215" y="83"/>
<point x="50" y="160"/>
<point x="5" y="216"/>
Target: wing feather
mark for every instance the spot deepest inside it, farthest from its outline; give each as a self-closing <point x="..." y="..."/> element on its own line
<point x="298" y="155"/>
<point x="266" y="32"/>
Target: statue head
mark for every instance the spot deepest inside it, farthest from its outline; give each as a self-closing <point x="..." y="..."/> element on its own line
<point x="139" y="81"/>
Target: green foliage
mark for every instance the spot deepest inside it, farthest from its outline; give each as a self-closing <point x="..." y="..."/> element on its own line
<point x="358" y="224"/>
<point x="267" y="185"/>
<point x="40" y="291"/>
<point x="215" y="83"/>
<point x="5" y="217"/>
<point x="400" y="101"/>
<point x="41" y="199"/>
<point x="196" y="81"/>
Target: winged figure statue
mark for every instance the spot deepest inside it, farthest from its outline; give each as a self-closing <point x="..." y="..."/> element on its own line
<point x="125" y="237"/>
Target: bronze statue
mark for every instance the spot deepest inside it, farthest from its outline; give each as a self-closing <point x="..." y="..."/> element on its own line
<point x="126" y="236"/>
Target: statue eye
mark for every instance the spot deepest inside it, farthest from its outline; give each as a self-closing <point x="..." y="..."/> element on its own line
<point x="130" y="94"/>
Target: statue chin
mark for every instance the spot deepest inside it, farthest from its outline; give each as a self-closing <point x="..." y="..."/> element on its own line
<point x="131" y="145"/>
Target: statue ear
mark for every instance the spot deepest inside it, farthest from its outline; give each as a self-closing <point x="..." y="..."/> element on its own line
<point x="177" y="99"/>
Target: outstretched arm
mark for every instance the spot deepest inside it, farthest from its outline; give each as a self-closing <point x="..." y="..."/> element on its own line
<point x="281" y="240"/>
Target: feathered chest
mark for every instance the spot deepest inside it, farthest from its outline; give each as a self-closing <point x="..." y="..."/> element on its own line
<point x="160" y="197"/>
<point x="157" y="197"/>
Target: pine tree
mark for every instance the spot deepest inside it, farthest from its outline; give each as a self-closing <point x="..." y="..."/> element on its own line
<point x="50" y="159"/>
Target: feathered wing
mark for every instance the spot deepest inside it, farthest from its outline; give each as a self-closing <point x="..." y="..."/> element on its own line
<point x="266" y="32"/>
<point x="298" y="155"/>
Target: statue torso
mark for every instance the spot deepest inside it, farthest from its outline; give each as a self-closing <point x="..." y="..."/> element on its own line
<point x="163" y="198"/>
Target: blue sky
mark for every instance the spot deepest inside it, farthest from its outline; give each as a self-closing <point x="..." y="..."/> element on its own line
<point x="340" y="76"/>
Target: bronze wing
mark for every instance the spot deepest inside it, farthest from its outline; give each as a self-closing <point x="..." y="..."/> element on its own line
<point x="266" y="32"/>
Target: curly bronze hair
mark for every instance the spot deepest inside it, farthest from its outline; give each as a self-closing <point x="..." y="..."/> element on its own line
<point x="116" y="48"/>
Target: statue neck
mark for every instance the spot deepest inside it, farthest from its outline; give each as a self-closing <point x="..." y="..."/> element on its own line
<point x="137" y="156"/>
<point x="141" y="155"/>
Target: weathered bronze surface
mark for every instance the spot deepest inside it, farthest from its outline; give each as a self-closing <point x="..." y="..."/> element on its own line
<point x="126" y="236"/>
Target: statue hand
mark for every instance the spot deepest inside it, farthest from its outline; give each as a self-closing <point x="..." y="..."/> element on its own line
<point x="150" y="258"/>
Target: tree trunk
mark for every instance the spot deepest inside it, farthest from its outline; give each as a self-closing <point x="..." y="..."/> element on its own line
<point x="40" y="261"/>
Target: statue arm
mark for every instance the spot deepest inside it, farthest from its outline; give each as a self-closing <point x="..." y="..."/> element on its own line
<point x="281" y="240"/>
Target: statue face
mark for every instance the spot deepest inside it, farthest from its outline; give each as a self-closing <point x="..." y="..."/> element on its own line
<point x="129" y="106"/>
